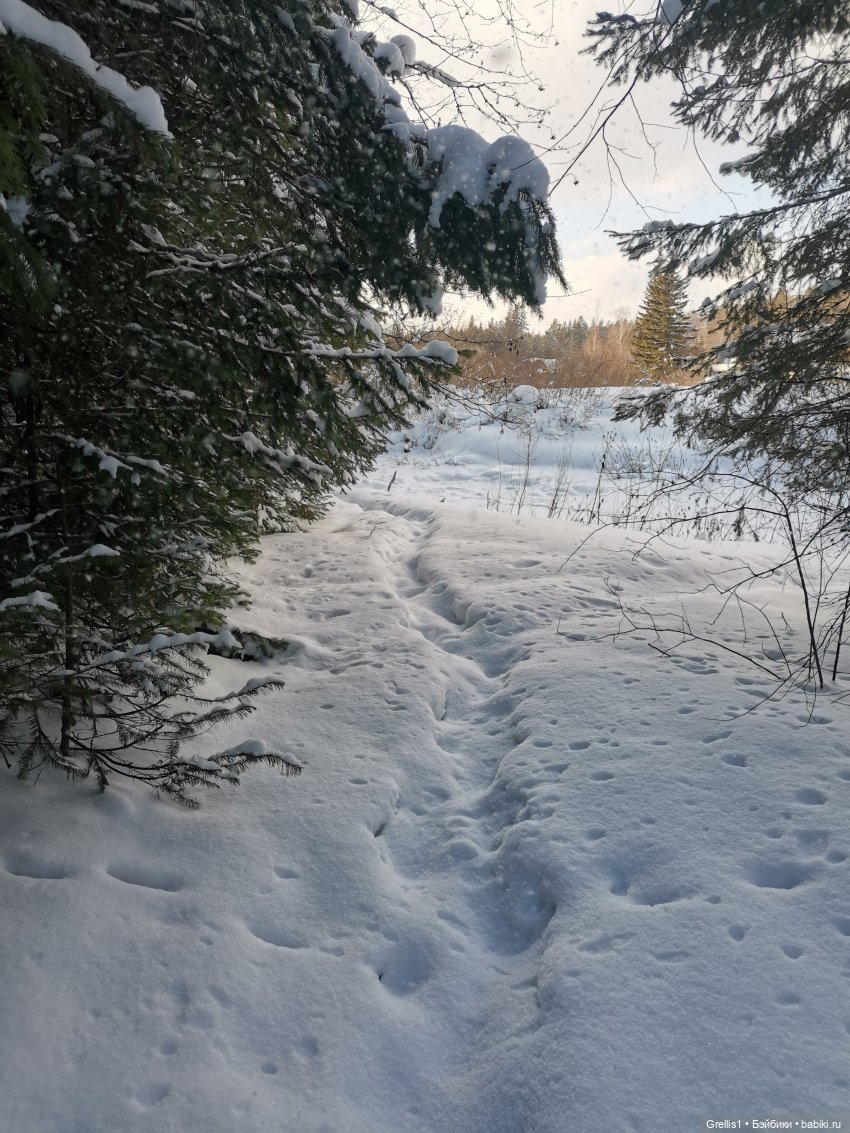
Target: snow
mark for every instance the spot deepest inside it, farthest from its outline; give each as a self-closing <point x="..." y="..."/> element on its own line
<point x="467" y="163"/>
<point x="534" y="876"/>
<point x="702" y="263"/>
<point x="739" y="163"/>
<point x="474" y="168"/>
<point x="17" y="208"/>
<point x="362" y="66"/>
<point x="392" y="55"/>
<point x="407" y="47"/>
<point x="25" y="22"/>
<point x="441" y="351"/>
<point x="36" y="600"/>
<point x="535" y="451"/>
<point x="670" y="11"/>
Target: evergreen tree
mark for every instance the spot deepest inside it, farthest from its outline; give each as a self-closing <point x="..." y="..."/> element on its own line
<point x="514" y="330"/>
<point x="781" y="86"/>
<point x="203" y="361"/>
<point x="662" y="330"/>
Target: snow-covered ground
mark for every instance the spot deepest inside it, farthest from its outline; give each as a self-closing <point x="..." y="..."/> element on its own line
<point x="533" y="879"/>
<point x="555" y="453"/>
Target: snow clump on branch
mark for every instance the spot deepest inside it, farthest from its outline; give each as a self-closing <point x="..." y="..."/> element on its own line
<point x="25" y="22"/>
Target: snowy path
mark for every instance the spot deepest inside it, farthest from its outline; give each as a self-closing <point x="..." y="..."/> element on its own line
<point x="529" y="882"/>
<point x="448" y="851"/>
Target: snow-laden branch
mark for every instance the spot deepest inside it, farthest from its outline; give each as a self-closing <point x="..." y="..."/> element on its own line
<point x="467" y="163"/>
<point x="475" y="168"/>
<point x="283" y="458"/>
<point x="110" y="462"/>
<point x="436" y="352"/>
<point x="38" y="599"/>
<point x="24" y="22"/>
<point x="96" y="551"/>
<point x="161" y="641"/>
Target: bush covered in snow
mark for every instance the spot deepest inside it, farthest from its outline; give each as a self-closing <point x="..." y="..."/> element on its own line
<point x="201" y="206"/>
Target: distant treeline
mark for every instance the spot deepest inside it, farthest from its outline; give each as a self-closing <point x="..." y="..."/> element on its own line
<point x="567" y="353"/>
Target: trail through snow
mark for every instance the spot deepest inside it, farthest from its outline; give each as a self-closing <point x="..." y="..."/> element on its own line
<point x="533" y="878"/>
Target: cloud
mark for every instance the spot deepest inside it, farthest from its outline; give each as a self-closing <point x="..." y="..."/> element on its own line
<point x="603" y="283"/>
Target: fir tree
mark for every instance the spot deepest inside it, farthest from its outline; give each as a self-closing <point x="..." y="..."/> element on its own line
<point x="662" y="329"/>
<point x="515" y="330"/>
<point x="204" y="362"/>
<point x="781" y="87"/>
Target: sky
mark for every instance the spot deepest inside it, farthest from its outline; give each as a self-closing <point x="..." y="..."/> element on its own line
<point x="665" y="177"/>
<point x="671" y="178"/>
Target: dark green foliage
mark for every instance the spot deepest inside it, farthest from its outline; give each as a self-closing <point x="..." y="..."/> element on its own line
<point x="777" y="79"/>
<point x="188" y="350"/>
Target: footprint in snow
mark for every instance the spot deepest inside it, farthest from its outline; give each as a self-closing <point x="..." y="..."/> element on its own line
<point x="278" y="935"/>
<point x="788" y="999"/>
<point x="406" y="969"/>
<point x="671" y="957"/>
<point x="606" y="943"/>
<point x="153" y="1093"/>
<point x="146" y="876"/>
<point x="809" y="796"/>
<point x="734" y="760"/>
<point x="23" y="865"/>
<point x="778" y="875"/>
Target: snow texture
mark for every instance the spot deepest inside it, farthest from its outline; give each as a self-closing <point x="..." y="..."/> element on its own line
<point x="392" y="56"/>
<point x="533" y="877"/>
<point x="17" y="209"/>
<point x="475" y="169"/>
<point x="407" y="47"/>
<point x="37" y="600"/>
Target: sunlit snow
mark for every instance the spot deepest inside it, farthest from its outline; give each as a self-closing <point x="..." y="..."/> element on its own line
<point x="534" y="875"/>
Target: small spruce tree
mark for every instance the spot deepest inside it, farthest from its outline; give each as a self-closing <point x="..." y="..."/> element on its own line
<point x="662" y="330"/>
<point x="779" y="87"/>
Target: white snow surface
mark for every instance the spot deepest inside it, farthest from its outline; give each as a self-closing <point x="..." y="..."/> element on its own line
<point x="532" y="878"/>
<point x="529" y="451"/>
